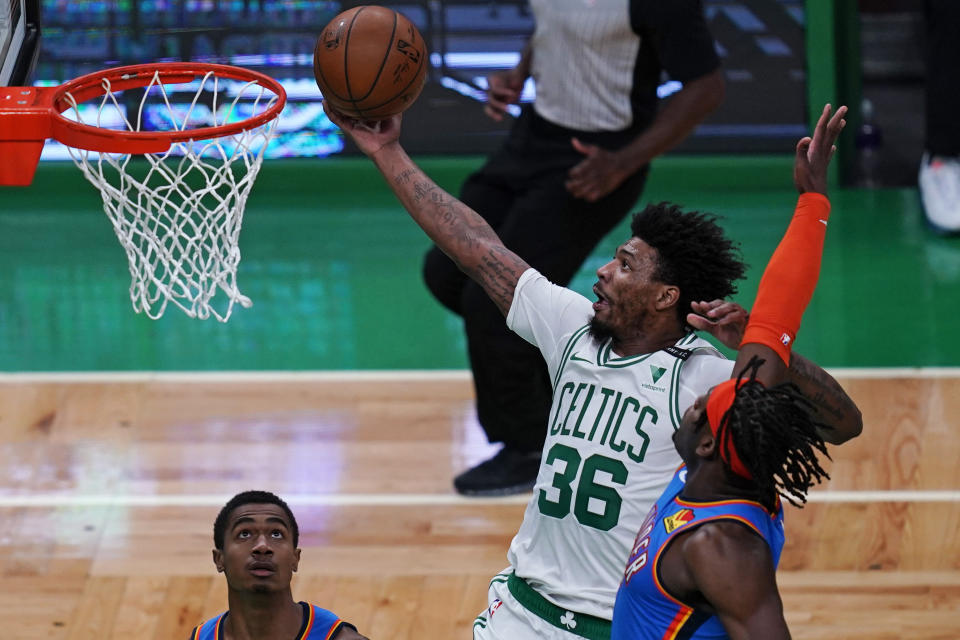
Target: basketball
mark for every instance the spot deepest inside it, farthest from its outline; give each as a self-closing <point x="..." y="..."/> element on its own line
<point x="370" y="62"/>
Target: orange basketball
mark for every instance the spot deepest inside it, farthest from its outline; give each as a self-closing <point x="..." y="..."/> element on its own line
<point x="370" y="62"/>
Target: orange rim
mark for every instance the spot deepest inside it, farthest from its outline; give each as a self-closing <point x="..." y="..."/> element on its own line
<point x="90" y="86"/>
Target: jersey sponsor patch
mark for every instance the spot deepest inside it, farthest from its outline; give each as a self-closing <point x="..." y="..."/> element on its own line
<point x="678" y="352"/>
<point x="657" y="372"/>
<point x="680" y="518"/>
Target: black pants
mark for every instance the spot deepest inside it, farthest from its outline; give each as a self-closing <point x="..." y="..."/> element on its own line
<point x="520" y="192"/>
<point x="943" y="76"/>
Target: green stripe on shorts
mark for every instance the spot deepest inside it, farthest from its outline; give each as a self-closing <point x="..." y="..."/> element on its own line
<point x="579" y="624"/>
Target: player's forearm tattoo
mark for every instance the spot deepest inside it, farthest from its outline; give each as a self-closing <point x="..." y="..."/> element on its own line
<point x="825" y="392"/>
<point x="498" y="275"/>
<point x="404" y="176"/>
<point x="453" y="221"/>
<point x="462" y="234"/>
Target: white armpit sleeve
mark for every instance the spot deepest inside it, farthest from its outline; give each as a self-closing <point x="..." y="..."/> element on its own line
<point x="542" y="313"/>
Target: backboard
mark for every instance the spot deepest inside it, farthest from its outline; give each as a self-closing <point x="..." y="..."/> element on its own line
<point x="19" y="36"/>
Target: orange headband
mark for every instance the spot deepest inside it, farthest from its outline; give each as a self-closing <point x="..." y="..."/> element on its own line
<point x="719" y="402"/>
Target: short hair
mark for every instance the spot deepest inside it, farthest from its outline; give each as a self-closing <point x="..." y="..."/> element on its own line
<point x="775" y="433"/>
<point x="693" y="253"/>
<point x="250" y="497"/>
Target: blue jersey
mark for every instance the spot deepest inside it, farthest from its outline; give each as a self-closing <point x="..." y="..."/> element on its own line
<point x="318" y="624"/>
<point x="644" y="610"/>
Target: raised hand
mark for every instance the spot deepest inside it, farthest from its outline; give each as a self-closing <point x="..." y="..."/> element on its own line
<point x="814" y="154"/>
<point x="369" y="137"/>
<point x="724" y="320"/>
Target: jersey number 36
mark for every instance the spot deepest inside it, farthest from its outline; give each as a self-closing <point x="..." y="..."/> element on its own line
<point x="587" y="489"/>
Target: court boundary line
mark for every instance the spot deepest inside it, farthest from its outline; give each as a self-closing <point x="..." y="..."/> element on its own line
<point x="441" y="375"/>
<point x="59" y="500"/>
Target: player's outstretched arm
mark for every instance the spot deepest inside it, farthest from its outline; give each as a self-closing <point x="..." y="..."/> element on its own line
<point x="457" y="229"/>
<point x="791" y="275"/>
<point x="732" y="568"/>
<point x="814" y="154"/>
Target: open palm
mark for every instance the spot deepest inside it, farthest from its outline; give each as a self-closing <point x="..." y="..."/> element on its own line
<point x="814" y="154"/>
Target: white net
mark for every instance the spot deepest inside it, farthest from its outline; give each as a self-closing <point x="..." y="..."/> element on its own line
<point x="178" y="214"/>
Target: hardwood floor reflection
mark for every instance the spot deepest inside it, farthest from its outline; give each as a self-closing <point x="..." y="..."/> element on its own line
<point x="108" y="491"/>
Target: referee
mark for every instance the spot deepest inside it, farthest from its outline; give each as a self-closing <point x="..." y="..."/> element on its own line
<point x="573" y="165"/>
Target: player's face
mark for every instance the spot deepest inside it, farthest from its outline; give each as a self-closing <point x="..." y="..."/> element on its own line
<point x="687" y="436"/>
<point x="626" y="292"/>
<point x="258" y="553"/>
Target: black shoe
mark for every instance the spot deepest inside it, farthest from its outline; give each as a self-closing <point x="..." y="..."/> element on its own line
<point x="505" y="474"/>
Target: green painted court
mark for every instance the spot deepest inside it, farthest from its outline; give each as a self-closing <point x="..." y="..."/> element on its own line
<point x="331" y="262"/>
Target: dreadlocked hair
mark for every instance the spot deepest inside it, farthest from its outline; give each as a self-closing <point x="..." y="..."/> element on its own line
<point x="776" y="435"/>
<point x="693" y="253"/>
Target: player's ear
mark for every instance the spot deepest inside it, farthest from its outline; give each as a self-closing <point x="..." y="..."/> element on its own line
<point x="296" y="560"/>
<point x="706" y="444"/>
<point x="669" y="296"/>
<point x="218" y="560"/>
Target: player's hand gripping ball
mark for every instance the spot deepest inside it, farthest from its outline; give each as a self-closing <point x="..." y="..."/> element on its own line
<point x="370" y="63"/>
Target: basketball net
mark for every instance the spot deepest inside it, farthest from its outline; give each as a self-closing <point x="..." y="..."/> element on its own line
<point x="178" y="213"/>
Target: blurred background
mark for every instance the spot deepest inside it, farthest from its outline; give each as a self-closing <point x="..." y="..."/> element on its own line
<point x="762" y="44"/>
<point x="328" y="255"/>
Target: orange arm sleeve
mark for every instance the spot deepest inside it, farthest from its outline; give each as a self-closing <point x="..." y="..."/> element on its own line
<point x="790" y="278"/>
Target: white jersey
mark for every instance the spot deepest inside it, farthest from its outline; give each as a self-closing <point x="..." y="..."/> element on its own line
<point x="609" y="452"/>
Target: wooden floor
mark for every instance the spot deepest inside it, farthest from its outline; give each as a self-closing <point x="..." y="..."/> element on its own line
<point x="109" y="488"/>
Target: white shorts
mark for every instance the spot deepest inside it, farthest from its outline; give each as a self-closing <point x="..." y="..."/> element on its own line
<point x="506" y="619"/>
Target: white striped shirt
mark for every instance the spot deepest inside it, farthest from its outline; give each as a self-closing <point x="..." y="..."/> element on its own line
<point x="584" y="53"/>
<point x="597" y="63"/>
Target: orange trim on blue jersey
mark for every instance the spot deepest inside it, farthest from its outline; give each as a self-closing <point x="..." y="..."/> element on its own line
<point x="216" y="628"/>
<point x="307" y="627"/>
<point x="333" y="628"/>
<point x="656" y="574"/>
<point x="677" y="623"/>
<point x="679" y="500"/>
<point x="719" y="503"/>
<point x="773" y="514"/>
<point x="716" y="503"/>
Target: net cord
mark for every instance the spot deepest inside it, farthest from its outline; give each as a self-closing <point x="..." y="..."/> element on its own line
<point x="181" y="239"/>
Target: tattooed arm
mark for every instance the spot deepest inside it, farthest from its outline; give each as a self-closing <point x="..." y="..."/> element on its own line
<point x="836" y="408"/>
<point x="457" y="229"/>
